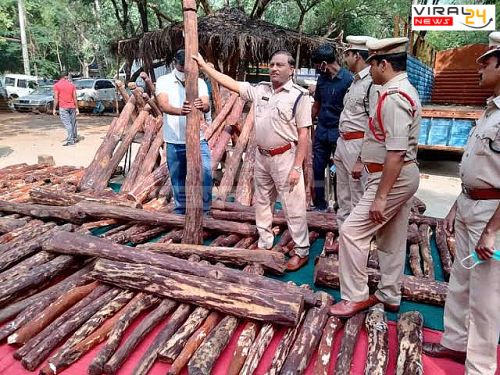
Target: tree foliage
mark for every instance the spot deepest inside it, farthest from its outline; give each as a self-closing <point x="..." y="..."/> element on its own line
<point x="73" y="34"/>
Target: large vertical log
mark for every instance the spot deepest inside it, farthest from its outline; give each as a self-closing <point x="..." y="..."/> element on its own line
<point x="245" y="187"/>
<point x="139" y="304"/>
<point x="425" y="250"/>
<point x="194" y="201"/>
<point x="351" y="333"/>
<point x="378" y="341"/>
<point x="233" y="163"/>
<point x="410" y="340"/>
<point x="153" y="318"/>
<point x="107" y="147"/>
<point x="149" y="357"/>
<point x="151" y="128"/>
<point x="194" y="343"/>
<point x="325" y="346"/>
<point x="308" y="337"/>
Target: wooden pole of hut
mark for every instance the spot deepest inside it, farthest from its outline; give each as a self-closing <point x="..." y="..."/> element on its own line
<point x="194" y="203"/>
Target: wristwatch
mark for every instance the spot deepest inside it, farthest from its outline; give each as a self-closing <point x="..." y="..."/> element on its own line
<point x="298" y="169"/>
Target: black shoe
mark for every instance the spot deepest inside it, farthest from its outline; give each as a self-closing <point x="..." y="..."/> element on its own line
<point x="68" y="144"/>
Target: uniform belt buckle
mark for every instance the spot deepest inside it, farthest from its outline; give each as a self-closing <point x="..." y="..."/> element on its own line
<point x="465" y="190"/>
<point x="264" y="152"/>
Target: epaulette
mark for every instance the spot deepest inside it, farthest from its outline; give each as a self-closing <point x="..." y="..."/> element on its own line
<point x="264" y="83"/>
<point x="393" y="90"/>
<point x="301" y="89"/>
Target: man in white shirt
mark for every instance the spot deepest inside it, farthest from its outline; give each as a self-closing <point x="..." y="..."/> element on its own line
<point x="171" y="96"/>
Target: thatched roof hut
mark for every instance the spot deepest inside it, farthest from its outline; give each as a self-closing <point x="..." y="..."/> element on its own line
<point x="228" y="38"/>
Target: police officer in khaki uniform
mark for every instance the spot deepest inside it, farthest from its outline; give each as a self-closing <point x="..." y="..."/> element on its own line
<point x="389" y="153"/>
<point x="472" y="310"/>
<point x="353" y="124"/>
<point x="282" y="118"/>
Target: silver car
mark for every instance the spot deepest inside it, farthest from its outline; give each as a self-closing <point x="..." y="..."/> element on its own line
<point x="40" y="100"/>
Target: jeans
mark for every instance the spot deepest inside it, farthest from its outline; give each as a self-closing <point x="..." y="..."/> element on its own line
<point x="322" y="150"/>
<point x="177" y="166"/>
<point x="68" y="118"/>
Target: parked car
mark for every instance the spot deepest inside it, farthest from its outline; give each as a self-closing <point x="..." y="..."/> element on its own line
<point x="41" y="100"/>
<point x="18" y="85"/>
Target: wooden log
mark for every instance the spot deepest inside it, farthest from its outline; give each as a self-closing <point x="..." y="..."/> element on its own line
<point x="141" y="237"/>
<point x="285" y="239"/>
<point x="378" y="341"/>
<point x="232" y="121"/>
<point x="450" y="240"/>
<point x="26" y="265"/>
<point x="8" y="225"/>
<point x="351" y="333"/>
<point x="78" y="350"/>
<point x="173" y="236"/>
<point x="154" y="106"/>
<point x="105" y="151"/>
<point x="55" y="197"/>
<point x="278" y="219"/>
<point x="173" y="347"/>
<point x="269" y="260"/>
<point x="245" y="242"/>
<point x="308" y="337"/>
<point x="139" y="100"/>
<point x="245" y="186"/>
<point x="40" y="211"/>
<point x="120" y="299"/>
<point x="410" y="339"/>
<point x="151" y="128"/>
<point x="143" y="188"/>
<point x="59" y="306"/>
<point x="444" y="251"/>
<point x="235" y="299"/>
<point x="151" y="159"/>
<point x="230" y="240"/>
<point x="231" y="167"/>
<point x="221" y="116"/>
<point x="413" y="288"/>
<point x="146" y="325"/>
<point x="418" y="206"/>
<point x="175" y="321"/>
<point x="31" y="306"/>
<point x="216" y="95"/>
<point x="373" y="256"/>
<point x="322" y="365"/>
<point x="12" y="288"/>
<point x="77" y="244"/>
<point x="149" y="83"/>
<point x="245" y="341"/>
<point x="120" y="87"/>
<point x="331" y="244"/>
<point x="204" y="358"/>
<point x="308" y="172"/>
<point x="219" y="148"/>
<point x="35" y="343"/>
<point x="140" y="303"/>
<point x="414" y="260"/>
<point x="22" y="235"/>
<point x="425" y="251"/>
<point x="194" y="343"/>
<point x="258" y="348"/>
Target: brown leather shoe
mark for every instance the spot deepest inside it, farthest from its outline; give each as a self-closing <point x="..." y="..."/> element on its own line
<point x="346" y="309"/>
<point x="437" y="350"/>
<point x="296" y="262"/>
<point x="387" y="306"/>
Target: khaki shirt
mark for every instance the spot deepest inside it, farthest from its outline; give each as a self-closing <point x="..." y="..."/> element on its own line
<point x="401" y="125"/>
<point x="275" y="125"/>
<point x="480" y="167"/>
<point x="357" y="106"/>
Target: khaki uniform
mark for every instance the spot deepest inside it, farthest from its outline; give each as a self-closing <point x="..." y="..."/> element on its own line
<point x="401" y="133"/>
<point x="276" y="125"/>
<point x="354" y="118"/>
<point x="472" y="310"/>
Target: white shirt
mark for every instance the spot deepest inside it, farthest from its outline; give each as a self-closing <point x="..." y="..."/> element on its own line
<point x="174" y="127"/>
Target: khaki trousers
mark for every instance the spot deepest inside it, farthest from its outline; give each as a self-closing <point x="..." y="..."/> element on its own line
<point x="271" y="179"/>
<point x="349" y="190"/>
<point x="472" y="309"/>
<point x="358" y="230"/>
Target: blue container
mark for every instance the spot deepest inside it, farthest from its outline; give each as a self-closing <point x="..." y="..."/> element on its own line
<point x="425" y="124"/>
<point x="460" y="132"/>
<point x="439" y="132"/>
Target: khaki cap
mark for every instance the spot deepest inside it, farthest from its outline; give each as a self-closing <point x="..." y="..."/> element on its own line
<point x="388" y="46"/>
<point x="494" y="46"/>
<point x="357" y="42"/>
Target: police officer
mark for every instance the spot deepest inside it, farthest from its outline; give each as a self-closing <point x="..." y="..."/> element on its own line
<point x="389" y="152"/>
<point x="353" y="124"/>
<point x="472" y="309"/>
<point x="282" y="118"/>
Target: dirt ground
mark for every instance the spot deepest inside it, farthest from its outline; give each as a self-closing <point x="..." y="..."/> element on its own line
<point x="24" y="136"/>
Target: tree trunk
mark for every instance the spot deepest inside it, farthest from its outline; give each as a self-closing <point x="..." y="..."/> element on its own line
<point x="378" y="341"/>
<point x="410" y="340"/>
<point x="351" y="333"/>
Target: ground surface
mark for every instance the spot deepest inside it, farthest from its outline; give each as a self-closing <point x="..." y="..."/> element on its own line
<point x="24" y="136"/>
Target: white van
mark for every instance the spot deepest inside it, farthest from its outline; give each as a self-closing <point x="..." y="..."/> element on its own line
<point x="18" y="85"/>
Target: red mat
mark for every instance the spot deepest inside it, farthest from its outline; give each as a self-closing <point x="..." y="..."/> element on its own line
<point x="9" y="366"/>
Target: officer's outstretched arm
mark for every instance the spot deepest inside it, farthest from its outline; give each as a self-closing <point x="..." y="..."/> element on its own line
<point x="221" y="78"/>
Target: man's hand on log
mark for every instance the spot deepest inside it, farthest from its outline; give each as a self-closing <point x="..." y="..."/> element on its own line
<point x="200" y="61"/>
<point x="198" y="104"/>
<point x="186" y="108"/>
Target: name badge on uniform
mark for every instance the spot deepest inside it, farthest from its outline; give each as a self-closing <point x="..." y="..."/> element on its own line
<point x="265" y="98"/>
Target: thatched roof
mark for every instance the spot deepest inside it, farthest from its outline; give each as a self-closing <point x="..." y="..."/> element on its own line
<point x="228" y="35"/>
